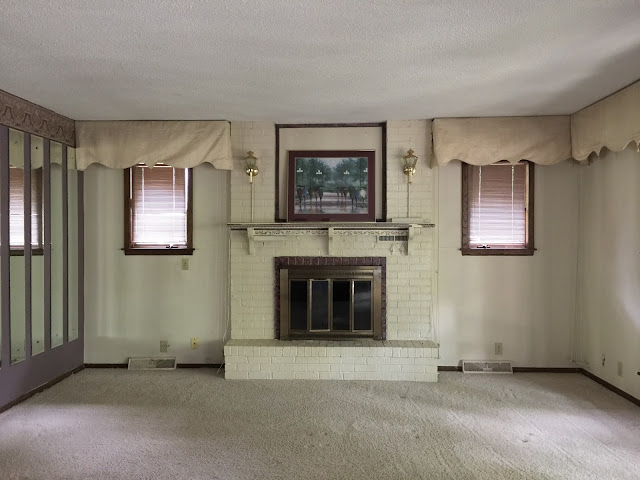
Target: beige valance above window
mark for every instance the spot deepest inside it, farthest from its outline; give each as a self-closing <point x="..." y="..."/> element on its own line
<point x="613" y="122"/>
<point x="482" y="141"/>
<point x="181" y="144"/>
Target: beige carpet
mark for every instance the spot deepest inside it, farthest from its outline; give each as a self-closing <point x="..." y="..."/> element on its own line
<point x="191" y="424"/>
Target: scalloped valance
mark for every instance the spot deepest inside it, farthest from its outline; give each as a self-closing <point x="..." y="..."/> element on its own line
<point x="181" y="144"/>
<point x="481" y="141"/>
<point x="612" y="122"/>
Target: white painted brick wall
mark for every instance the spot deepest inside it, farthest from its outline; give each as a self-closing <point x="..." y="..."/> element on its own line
<point x="408" y="280"/>
<point x="318" y="360"/>
<point x="401" y="136"/>
<point x="408" y="276"/>
<point x="260" y="138"/>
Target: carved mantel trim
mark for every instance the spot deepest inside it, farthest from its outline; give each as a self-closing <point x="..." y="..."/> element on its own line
<point x="20" y="114"/>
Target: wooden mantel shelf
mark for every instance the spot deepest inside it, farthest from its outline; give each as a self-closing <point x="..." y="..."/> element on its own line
<point x="262" y="232"/>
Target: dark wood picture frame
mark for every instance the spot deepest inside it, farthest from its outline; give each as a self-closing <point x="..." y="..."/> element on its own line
<point x="347" y="195"/>
<point x="466" y="249"/>
<point x="129" y="249"/>
<point x="382" y="216"/>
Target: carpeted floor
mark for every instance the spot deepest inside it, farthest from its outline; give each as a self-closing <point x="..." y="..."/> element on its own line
<point x="191" y="424"/>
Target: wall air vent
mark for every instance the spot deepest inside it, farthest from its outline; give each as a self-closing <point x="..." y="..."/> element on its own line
<point x="486" y="366"/>
<point x="152" y="363"/>
<point x="393" y="238"/>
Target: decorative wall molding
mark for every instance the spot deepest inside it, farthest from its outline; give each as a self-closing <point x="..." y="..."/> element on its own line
<point x="29" y="117"/>
<point x="261" y="232"/>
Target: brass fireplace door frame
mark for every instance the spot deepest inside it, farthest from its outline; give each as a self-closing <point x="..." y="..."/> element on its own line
<point x="330" y="273"/>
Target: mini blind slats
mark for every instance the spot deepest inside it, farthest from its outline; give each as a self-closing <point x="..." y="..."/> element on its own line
<point x="498" y="203"/>
<point x="16" y="207"/>
<point x="159" y="206"/>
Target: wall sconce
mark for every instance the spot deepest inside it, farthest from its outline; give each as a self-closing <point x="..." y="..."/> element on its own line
<point x="409" y="164"/>
<point x="252" y="165"/>
<point x="251" y="162"/>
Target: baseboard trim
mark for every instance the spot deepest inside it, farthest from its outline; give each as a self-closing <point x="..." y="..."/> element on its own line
<point x="200" y="365"/>
<point x="40" y="389"/>
<point x="106" y="365"/>
<point x="450" y="368"/>
<point x="546" y="370"/>
<point x="179" y="365"/>
<point x="611" y="387"/>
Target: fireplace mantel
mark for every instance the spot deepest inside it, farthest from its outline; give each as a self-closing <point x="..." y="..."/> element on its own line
<point x="262" y="232"/>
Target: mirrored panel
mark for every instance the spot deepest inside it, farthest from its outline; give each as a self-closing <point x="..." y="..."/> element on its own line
<point x="73" y="246"/>
<point x="37" y="246"/>
<point x="57" y="236"/>
<point x="16" y="245"/>
<point x="2" y="280"/>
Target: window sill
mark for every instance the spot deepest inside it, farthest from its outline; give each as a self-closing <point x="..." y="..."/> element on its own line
<point x="498" y="252"/>
<point x="19" y="252"/>
<point x="158" y="251"/>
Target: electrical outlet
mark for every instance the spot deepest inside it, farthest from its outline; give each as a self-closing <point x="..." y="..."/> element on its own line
<point x="185" y="264"/>
<point x="195" y="345"/>
<point x="498" y="348"/>
<point x="619" y="369"/>
<point x="604" y="360"/>
<point x="164" y="346"/>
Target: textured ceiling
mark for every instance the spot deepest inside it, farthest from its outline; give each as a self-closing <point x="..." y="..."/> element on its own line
<point x="316" y="60"/>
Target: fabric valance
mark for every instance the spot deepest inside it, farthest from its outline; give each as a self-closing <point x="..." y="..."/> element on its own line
<point x="613" y="122"/>
<point x="181" y="144"/>
<point x="482" y="141"/>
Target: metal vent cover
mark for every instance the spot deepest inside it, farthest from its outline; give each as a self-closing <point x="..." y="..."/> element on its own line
<point x="152" y="363"/>
<point x="393" y="238"/>
<point x="487" y="366"/>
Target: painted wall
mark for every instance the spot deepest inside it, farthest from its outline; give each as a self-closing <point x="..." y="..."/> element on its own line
<point x="608" y="329"/>
<point x="134" y="302"/>
<point x="527" y="303"/>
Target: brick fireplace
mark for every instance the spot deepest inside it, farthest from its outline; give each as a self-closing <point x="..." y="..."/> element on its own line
<point x="258" y="251"/>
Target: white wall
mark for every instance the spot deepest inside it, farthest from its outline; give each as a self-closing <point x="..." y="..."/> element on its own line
<point x="133" y="302"/>
<point x="609" y="295"/>
<point x="527" y="303"/>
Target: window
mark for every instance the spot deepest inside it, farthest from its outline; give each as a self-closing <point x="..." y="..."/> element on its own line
<point x="16" y="211"/>
<point x="497" y="209"/>
<point x="158" y="210"/>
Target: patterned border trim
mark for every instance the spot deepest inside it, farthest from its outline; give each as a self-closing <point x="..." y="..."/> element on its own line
<point x="283" y="262"/>
<point x="29" y="117"/>
<point x="324" y="233"/>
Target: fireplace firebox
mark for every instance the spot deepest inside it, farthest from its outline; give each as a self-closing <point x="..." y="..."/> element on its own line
<point x="330" y="302"/>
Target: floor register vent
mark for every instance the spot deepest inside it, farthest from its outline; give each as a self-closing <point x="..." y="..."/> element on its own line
<point x="152" y="363"/>
<point x="486" y="366"/>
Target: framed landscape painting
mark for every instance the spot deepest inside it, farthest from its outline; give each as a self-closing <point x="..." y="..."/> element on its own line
<point x="331" y="186"/>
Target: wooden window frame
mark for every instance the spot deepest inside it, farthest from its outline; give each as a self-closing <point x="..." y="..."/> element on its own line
<point x="466" y="249"/>
<point x="129" y="249"/>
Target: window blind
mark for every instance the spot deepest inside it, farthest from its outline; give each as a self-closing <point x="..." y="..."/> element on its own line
<point x="16" y="208"/>
<point x="498" y="205"/>
<point x="159" y="206"/>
